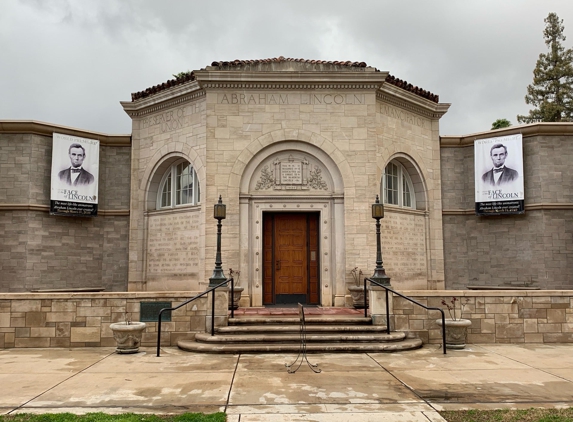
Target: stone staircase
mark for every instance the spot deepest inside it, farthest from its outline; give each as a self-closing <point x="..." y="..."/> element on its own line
<point x="276" y="334"/>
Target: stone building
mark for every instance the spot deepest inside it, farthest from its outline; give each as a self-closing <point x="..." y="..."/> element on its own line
<point x="298" y="151"/>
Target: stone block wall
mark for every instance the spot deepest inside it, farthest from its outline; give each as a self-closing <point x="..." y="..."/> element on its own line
<point x="505" y="316"/>
<point x="82" y="320"/>
<point x="530" y="250"/>
<point x="40" y="251"/>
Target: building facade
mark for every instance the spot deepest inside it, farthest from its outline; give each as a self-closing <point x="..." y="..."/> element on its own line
<point x="298" y="150"/>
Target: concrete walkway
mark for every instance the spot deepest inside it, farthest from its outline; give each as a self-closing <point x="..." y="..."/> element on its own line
<point x="405" y="386"/>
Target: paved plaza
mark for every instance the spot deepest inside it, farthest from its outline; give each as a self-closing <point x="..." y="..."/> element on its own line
<point x="405" y="386"/>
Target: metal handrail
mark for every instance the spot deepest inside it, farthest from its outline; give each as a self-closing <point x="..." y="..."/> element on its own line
<point x="212" y="289"/>
<point x="429" y="308"/>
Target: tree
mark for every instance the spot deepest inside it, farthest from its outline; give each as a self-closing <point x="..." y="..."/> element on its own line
<point x="500" y="124"/>
<point x="552" y="89"/>
<point x="181" y="75"/>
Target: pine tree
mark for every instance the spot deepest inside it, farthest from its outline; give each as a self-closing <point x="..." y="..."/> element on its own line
<point x="552" y="89"/>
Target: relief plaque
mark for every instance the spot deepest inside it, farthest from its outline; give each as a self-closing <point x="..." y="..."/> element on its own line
<point x="292" y="173"/>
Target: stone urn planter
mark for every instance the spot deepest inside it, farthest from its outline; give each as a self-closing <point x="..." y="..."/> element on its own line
<point x="128" y="336"/>
<point x="238" y="290"/>
<point x="357" y="289"/>
<point x="234" y="301"/>
<point x="456" y="332"/>
<point x="357" y="294"/>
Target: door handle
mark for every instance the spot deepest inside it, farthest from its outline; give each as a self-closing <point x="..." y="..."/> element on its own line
<point x="278" y="266"/>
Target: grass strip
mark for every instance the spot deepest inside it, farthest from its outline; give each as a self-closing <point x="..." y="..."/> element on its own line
<point x="103" y="417"/>
<point x="507" y="415"/>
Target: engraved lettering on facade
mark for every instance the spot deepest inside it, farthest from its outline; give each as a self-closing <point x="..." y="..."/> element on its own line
<point x="289" y="99"/>
<point x="173" y="244"/>
<point x="173" y="119"/>
<point x="291" y="173"/>
<point x="406" y="234"/>
<point x="402" y="115"/>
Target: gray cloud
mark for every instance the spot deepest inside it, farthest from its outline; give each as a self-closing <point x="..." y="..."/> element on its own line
<point x="71" y="62"/>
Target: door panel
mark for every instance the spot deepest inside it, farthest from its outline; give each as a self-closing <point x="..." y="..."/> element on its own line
<point x="291" y="277"/>
<point x="290" y="258"/>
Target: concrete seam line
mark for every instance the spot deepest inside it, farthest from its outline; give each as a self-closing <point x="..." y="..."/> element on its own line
<point x="231" y="386"/>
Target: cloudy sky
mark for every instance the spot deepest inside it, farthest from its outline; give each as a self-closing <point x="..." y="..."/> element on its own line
<point x="70" y="62"/>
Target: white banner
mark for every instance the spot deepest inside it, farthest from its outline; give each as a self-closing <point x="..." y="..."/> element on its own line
<point x="75" y="171"/>
<point x="499" y="175"/>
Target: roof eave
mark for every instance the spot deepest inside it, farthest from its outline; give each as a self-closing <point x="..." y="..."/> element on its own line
<point x="437" y="109"/>
<point x="155" y="99"/>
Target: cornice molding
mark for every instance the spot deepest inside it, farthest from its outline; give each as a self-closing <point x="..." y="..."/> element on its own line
<point x="47" y="129"/>
<point x="46" y="208"/>
<point x="411" y="102"/>
<point x="529" y="130"/>
<point x="287" y="86"/>
<point x="544" y="206"/>
<point x="148" y="105"/>
<point x="286" y="79"/>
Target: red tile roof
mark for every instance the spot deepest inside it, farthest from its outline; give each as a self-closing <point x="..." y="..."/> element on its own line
<point x="413" y="89"/>
<point x="283" y="59"/>
<point x="236" y="63"/>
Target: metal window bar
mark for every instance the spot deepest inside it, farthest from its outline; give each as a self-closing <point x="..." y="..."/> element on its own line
<point x="302" y="350"/>
<point x="429" y="308"/>
<point x="212" y="289"/>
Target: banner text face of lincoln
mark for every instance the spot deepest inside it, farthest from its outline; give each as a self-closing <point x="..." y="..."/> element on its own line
<point x="75" y="169"/>
<point x="499" y="171"/>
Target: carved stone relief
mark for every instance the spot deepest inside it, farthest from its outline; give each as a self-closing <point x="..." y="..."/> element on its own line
<point x="292" y="173"/>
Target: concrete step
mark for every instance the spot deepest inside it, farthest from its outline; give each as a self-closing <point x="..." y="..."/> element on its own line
<point x="295" y="338"/>
<point x="323" y="333"/>
<point x="407" y="344"/>
<point x="292" y="328"/>
<point x="328" y="320"/>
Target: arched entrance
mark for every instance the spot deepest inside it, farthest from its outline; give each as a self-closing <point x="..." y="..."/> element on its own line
<point x="292" y="226"/>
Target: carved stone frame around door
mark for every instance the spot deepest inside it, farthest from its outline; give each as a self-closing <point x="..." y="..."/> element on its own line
<point x="332" y="248"/>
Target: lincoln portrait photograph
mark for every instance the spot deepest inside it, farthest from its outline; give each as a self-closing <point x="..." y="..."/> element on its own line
<point x="499" y="168"/>
<point x="75" y="163"/>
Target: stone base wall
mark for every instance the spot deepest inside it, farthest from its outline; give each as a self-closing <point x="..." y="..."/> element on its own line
<point x="82" y="320"/>
<point x="503" y="316"/>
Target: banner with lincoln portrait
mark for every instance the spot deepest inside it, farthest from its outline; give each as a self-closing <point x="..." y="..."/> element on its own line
<point x="499" y="175"/>
<point x="75" y="170"/>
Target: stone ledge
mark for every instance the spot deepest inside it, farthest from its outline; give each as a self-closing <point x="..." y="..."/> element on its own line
<point x="48" y="129"/>
<point x="486" y="293"/>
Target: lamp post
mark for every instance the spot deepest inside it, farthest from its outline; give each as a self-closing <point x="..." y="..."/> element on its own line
<point x="220" y="213"/>
<point x="379" y="273"/>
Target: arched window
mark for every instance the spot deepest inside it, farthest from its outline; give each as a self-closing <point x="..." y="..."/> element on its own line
<point x="179" y="186"/>
<point x="397" y="186"/>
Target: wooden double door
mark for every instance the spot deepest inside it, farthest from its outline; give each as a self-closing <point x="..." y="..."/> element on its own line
<point x="290" y="258"/>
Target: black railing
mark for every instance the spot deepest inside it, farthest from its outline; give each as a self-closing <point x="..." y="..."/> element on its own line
<point x="388" y="289"/>
<point x="212" y="289"/>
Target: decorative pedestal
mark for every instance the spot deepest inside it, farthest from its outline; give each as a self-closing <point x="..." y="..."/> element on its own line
<point x="378" y="306"/>
<point x="127" y="336"/>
